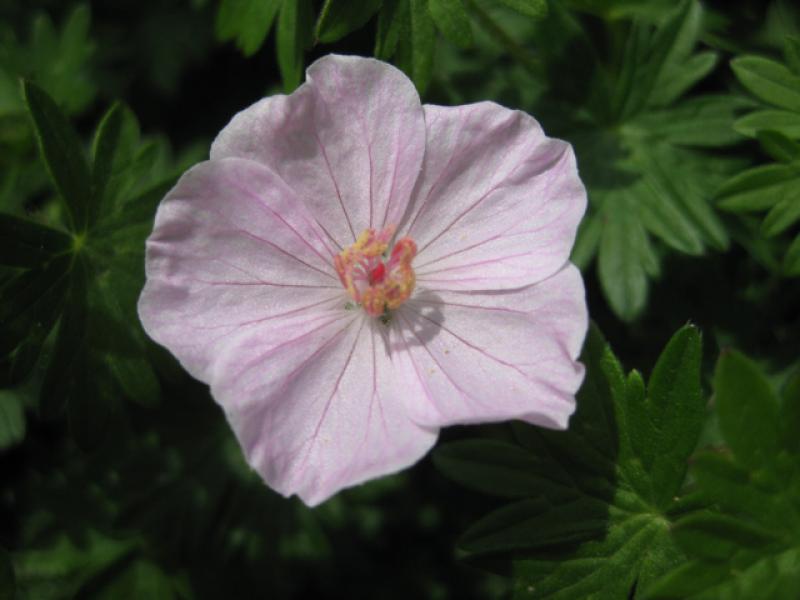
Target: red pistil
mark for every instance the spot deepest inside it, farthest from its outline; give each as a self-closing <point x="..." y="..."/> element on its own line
<point x="377" y="274"/>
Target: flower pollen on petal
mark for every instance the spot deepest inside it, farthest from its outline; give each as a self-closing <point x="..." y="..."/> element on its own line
<point x="376" y="284"/>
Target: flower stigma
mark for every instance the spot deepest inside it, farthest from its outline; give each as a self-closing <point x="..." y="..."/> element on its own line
<point x="377" y="281"/>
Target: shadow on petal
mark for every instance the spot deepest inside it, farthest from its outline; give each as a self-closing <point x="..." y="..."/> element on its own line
<point x="420" y="325"/>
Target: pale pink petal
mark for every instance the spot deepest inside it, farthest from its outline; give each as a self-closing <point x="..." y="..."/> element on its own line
<point x="232" y="249"/>
<point x="492" y="356"/>
<point x="350" y="142"/>
<point x="319" y="408"/>
<point x="497" y="204"/>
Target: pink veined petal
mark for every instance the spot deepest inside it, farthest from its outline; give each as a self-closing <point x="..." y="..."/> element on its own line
<point x="493" y="356"/>
<point x="497" y="204"/>
<point x="232" y="249"/>
<point x="350" y="142"/>
<point x="319" y="409"/>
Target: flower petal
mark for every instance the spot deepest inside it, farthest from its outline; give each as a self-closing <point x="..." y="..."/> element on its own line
<point x="494" y="356"/>
<point x="232" y="249"/>
<point x="497" y="204"/>
<point x="350" y="142"/>
<point x="318" y="409"/>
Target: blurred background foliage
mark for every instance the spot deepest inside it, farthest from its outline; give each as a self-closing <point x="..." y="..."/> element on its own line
<point x="120" y="478"/>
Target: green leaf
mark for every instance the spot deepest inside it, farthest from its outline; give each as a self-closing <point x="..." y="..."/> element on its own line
<point x="783" y="215"/>
<point x="623" y="260"/>
<point x="492" y="467"/>
<point x="791" y="51"/>
<point x="63" y="155"/>
<point x="748" y="544"/>
<point x="536" y="524"/>
<point x="791" y="262"/>
<point x="62" y="380"/>
<point x="392" y="19"/>
<point x="341" y="17"/>
<point x="416" y="44"/>
<point x="452" y="20"/>
<point x="12" y="425"/>
<point x="649" y="181"/>
<point x="759" y="188"/>
<point x="690" y="192"/>
<point x="25" y="243"/>
<point x="778" y="146"/>
<point x="665" y="218"/>
<point x="790" y="412"/>
<point x="246" y="21"/>
<point x="771" y="577"/>
<point x="731" y="485"/>
<point x="664" y="429"/>
<point x="586" y="242"/>
<point x="31" y="301"/>
<point x="648" y="55"/>
<point x="769" y="81"/>
<point x="783" y="121"/>
<point x="295" y="25"/>
<point x="17" y="365"/>
<point x="593" y="504"/>
<point x="8" y="584"/>
<point x="747" y="408"/>
<point x="116" y="129"/>
<point x="702" y="121"/>
<point x="679" y="77"/>
<point x="536" y="9"/>
<point x="719" y="537"/>
<point x="57" y="59"/>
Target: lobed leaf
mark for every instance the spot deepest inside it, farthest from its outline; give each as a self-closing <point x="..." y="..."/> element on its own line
<point x="341" y="17"/>
<point x="759" y="188"/>
<point x="27" y="244"/>
<point x="769" y="81"/>
<point x="783" y="215"/>
<point x="625" y="259"/>
<point x="392" y="18"/>
<point x="777" y="145"/>
<point x="747" y="409"/>
<point x="63" y="155"/>
<point x="452" y="20"/>
<point x="783" y="121"/>
<point x="31" y="300"/>
<point x="593" y="505"/>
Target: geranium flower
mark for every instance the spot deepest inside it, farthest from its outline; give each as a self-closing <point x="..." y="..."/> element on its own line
<point x="352" y="270"/>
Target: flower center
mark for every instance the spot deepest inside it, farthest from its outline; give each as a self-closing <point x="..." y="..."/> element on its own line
<point x="377" y="283"/>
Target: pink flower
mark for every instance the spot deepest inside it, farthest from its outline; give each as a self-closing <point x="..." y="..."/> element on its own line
<point x="352" y="270"/>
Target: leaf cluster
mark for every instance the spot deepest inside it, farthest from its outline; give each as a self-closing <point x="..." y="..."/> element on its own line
<point x="746" y="544"/>
<point x="593" y="506"/>
<point x="405" y="30"/>
<point x="773" y="187"/>
<point x="68" y="292"/>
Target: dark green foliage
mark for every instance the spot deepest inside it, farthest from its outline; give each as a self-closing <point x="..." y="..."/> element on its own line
<point x="292" y="38"/>
<point x="340" y="17"/>
<point x="594" y="504"/>
<point x="119" y="476"/>
<point x="86" y="279"/>
<point x="643" y="151"/>
<point x="246" y="21"/>
<point x="747" y="544"/>
<point x="773" y="187"/>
